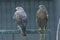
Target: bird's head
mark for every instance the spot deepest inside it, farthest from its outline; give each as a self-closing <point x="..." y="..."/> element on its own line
<point x="42" y="7"/>
<point x="19" y="9"/>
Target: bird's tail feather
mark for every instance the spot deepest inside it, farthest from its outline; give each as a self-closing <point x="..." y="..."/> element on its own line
<point x="25" y="38"/>
<point x="23" y="35"/>
<point x="20" y="30"/>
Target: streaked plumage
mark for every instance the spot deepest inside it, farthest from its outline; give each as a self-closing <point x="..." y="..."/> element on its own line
<point x="42" y="16"/>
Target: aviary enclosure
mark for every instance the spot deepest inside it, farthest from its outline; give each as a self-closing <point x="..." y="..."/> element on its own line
<point x="7" y="9"/>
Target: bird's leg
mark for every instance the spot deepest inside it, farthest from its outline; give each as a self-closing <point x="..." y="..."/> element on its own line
<point x="42" y="36"/>
<point x="44" y="28"/>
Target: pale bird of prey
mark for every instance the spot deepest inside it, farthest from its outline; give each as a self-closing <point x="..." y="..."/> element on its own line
<point x="20" y="18"/>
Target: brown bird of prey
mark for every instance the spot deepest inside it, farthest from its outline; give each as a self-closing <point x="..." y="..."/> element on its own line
<point x="42" y="17"/>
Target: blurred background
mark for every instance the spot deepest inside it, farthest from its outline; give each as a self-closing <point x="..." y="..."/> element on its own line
<point x="7" y="9"/>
